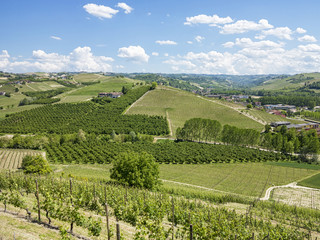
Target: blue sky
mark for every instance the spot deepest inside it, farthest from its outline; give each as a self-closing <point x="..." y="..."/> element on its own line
<point x="203" y="36"/>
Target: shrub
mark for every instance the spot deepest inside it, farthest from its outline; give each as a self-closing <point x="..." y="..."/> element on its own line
<point x="35" y="164"/>
<point x="135" y="169"/>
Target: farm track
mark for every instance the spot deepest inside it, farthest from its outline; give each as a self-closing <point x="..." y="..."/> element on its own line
<point x="125" y="112"/>
<point x="290" y="185"/>
<point x="237" y="110"/>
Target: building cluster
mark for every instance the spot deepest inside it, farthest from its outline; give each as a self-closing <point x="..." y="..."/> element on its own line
<point x="298" y="127"/>
<point x="111" y="94"/>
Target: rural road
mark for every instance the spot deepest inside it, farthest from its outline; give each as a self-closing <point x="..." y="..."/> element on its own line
<point x="290" y="185"/>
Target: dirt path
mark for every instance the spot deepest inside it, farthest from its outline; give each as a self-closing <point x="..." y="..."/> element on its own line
<point x="197" y="186"/>
<point x="290" y="185"/>
<point x="125" y="112"/>
<point x="169" y="123"/>
<point x="236" y="109"/>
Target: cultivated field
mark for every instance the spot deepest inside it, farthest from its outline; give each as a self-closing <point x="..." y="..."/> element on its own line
<point x="249" y="179"/>
<point x="268" y="118"/>
<point x="298" y="197"/>
<point x="107" y="84"/>
<point x="313" y="182"/>
<point x="180" y="106"/>
<point x="12" y="158"/>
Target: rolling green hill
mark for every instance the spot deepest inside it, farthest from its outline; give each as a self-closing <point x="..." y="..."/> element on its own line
<point x="179" y="106"/>
<point x="289" y="83"/>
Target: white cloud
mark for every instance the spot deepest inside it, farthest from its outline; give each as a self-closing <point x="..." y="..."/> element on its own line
<point x="199" y="39"/>
<point x="80" y="59"/>
<point x="133" y="53"/>
<point x="310" y="48"/>
<point x="149" y="13"/>
<point x="166" y="42"/>
<point x="248" y="43"/>
<point x="127" y="9"/>
<point x="243" y="26"/>
<point x="280" y="32"/>
<point x="166" y="54"/>
<point x="205" y="19"/>
<point x="100" y="11"/>
<point x="261" y="57"/>
<point x="307" y="38"/>
<point x="189" y="42"/>
<point x="56" y="38"/>
<point x="120" y="66"/>
<point x="228" y="44"/>
<point x="155" y="54"/>
<point x="300" y="30"/>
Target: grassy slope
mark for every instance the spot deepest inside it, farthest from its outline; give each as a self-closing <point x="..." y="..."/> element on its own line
<point x="107" y="84"/>
<point x="248" y="179"/>
<point x="313" y="182"/>
<point x="181" y="106"/>
<point x="278" y="84"/>
<point x="15" y="98"/>
<point x="267" y="117"/>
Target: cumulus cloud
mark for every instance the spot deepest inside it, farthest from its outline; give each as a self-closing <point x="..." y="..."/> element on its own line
<point x="300" y="30"/>
<point x="310" y="48"/>
<point x="189" y="42"/>
<point x="199" y="38"/>
<point x="133" y="53"/>
<point x="253" y="57"/>
<point x="127" y="9"/>
<point x="80" y="59"/>
<point x="155" y="54"/>
<point x="100" y="11"/>
<point x="166" y="42"/>
<point x="213" y="20"/>
<point x="56" y="38"/>
<point x="228" y="44"/>
<point x="307" y="38"/>
<point x="280" y="32"/>
<point x="243" y="26"/>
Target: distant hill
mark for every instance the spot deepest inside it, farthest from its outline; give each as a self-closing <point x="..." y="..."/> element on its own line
<point x="289" y="82"/>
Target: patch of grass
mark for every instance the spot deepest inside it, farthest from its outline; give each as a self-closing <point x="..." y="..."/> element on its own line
<point x="88" y="171"/>
<point x="106" y="85"/>
<point x="88" y="77"/>
<point x="295" y="165"/>
<point x="249" y="179"/>
<point x="180" y="106"/>
<point x="313" y="182"/>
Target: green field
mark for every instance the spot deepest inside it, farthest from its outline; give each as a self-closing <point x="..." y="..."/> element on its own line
<point x="287" y="83"/>
<point x="12" y="158"/>
<point x="10" y="104"/>
<point x="249" y="179"/>
<point x="107" y="84"/>
<point x="267" y="117"/>
<point x="313" y="182"/>
<point x="180" y="106"/>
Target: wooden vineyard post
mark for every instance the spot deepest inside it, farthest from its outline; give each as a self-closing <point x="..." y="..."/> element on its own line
<point x="107" y="216"/>
<point x="38" y="201"/>
<point x="191" y="232"/>
<point x="118" y="231"/>
<point x="71" y="225"/>
<point x="172" y="219"/>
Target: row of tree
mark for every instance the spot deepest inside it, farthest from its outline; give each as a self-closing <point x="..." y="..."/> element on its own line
<point x="198" y="129"/>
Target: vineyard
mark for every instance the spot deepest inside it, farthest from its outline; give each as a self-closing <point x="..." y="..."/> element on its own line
<point x="166" y="152"/>
<point x="92" y="117"/>
<point x="12" y="158"/>
<point x="155" y="215"/>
